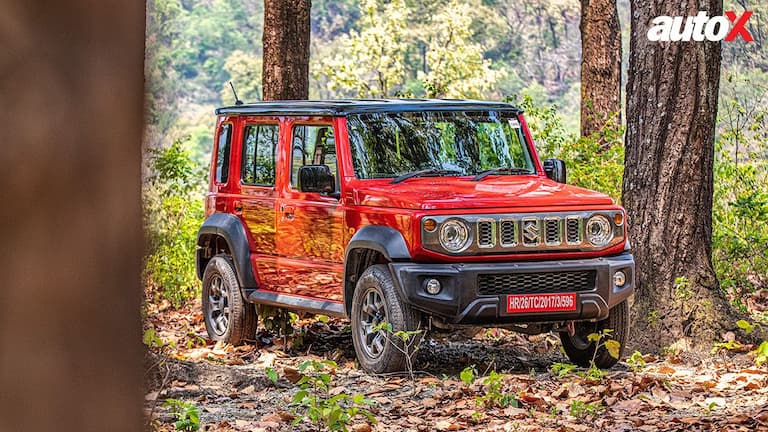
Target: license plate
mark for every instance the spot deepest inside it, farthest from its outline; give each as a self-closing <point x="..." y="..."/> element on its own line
<point x="541" y="303"/>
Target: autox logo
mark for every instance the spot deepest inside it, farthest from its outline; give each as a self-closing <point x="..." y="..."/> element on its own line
<point x="700" y="27"/>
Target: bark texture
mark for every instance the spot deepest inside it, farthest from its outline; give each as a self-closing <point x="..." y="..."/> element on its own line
<point x="72" y="82"/>
<point x="286" y="49"/>
<point x="600" y="65"/>
<point x="672" y="103"/>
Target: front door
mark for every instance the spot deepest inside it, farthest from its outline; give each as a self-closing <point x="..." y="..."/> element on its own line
<point x="310" y="225"/>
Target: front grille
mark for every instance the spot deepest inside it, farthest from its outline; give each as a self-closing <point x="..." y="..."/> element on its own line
<point x="535" y="283"/>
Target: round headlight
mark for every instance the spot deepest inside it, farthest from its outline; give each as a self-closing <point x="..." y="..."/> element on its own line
<point x="599" y="230"/>
<point x="454" y="235"/>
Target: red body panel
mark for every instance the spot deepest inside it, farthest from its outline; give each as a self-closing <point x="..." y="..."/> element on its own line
<point x="298" y="239"/>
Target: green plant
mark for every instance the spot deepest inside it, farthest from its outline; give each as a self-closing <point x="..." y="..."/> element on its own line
<point x="683" y="288"/>
<point x="562" y="369"/>
<point x="468" y="375"/>
<point x="653" y="318"/>
<point x="636" y="362"/>
<point x="410" y="345"/>
<point x="761" y="354"/>
<point x="271" y="374"/>
<point x="173" y="211"/>
<point x="321" y="409"/>
<point x="580" y="409"/>
<point x="277" y="320"/>
<point x="493" y="395"/>
<point x="601" y="340"/>
<point x="186" y="413"/>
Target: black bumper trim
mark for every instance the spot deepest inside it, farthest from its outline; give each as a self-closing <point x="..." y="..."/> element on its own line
<point x="460" y="303"/>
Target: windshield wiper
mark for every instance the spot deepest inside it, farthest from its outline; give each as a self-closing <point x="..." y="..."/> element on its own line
<point x="501" y="170"/>
<point x="424" y="172"/>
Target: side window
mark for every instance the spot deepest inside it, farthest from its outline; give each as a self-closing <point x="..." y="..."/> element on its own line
<point x="259" y="154"/>
<point x="313" y="145"/>
<point x="222" y="153"/>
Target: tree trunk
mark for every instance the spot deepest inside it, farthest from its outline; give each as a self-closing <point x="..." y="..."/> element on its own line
<point x="72" y="81"/>
<point x="671" y="110"/>
<point x="286" y="49"/>
<point x="600" y="66"/>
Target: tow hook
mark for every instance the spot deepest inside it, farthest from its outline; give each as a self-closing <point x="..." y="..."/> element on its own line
<point x="571" y="328"/>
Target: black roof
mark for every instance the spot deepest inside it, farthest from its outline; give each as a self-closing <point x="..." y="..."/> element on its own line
<point x="358" y="106"/>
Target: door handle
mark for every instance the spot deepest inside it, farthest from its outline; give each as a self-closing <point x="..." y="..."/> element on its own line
<point x="288" y="211"/>
<point x="238" y="207"/>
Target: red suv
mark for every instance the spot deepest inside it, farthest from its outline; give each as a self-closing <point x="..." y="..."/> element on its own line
<point x="416" y="213"/>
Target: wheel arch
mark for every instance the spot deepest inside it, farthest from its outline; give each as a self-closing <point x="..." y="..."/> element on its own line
<point x="372" y="244"/>
<point x="224" y="233"/>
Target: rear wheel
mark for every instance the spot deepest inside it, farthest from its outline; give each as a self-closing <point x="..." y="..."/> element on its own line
<point x="228" y="318"/>
<point x="581" y="350"/>
<point x="377" y="301"/>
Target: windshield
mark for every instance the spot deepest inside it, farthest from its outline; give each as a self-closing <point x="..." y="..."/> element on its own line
<point x="388" y="145"/>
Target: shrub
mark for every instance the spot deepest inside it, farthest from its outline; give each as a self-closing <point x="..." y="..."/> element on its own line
<point x="173" y="211"/>
<point x="595" y="162"/>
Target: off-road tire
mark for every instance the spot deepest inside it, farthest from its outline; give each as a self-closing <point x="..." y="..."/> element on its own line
<point x="580" y="350"/>
<point x="242" y="318"/>
<point x="378" y="279"/>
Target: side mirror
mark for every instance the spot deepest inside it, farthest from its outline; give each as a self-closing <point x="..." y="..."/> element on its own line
<point x="316" y="178"/>
<point x="555" y="170"/>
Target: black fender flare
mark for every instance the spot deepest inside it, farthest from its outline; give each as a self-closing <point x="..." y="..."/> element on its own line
<point x="231" y="229"/>
<point x="387" y="241"/>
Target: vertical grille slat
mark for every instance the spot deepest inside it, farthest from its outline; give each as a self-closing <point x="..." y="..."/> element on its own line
<point x="572" y="229"/>
<point x="485" y="234"/>
<point x="508" y="233"/>
<point x="552" y="232"/>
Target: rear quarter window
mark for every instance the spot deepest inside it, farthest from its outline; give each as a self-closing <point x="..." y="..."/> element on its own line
<point x="223" y="145"/>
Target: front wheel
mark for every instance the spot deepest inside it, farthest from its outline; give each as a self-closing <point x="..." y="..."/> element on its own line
<point x="228" y="318"/>
<point x="377" y="301"/>
<point x="581" y="350"/>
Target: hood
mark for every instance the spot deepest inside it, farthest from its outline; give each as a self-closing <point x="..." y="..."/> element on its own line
<point x="457" y="193"/>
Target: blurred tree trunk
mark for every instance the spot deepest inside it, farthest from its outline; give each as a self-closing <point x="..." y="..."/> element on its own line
<point x="600" y="65"/>
<point x="286" y="49"/>
<point x="672" y="103"/>
<point x="72" y="82"/>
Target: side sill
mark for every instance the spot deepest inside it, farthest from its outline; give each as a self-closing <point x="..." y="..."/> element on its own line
<point x="298" y="303"/>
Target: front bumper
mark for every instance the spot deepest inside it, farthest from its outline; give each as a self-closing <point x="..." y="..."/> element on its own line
<point x="461" y="301"/>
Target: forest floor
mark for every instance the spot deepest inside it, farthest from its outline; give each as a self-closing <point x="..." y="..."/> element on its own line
<point x="536" y="391"/>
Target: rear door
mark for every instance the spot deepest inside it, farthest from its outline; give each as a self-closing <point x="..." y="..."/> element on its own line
<point x="256" y="202"/>
<point x="310" y="225"/>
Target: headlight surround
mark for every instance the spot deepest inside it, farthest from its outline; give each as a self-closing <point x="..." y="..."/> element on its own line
<point x="599" y="230"/>
<point x="454" y="235"/>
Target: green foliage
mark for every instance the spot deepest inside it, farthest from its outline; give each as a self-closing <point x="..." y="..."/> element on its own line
<point x="581" y="409"/>
<point x="334" y="412"/>
<point x="377" y="61"/>
<point x="761" y="354"/>
<point x="740" y="209"/>
<point x="562" y="369"/>
<point x="636" y="361"/>
<point x="272" y="375"/>
<point x="683" y="288"/>
<point x="152" y="340"/>
<point x="493" y="395"/>
<point x="186" y="413"/>
<point x="277" y="320"/>
<point x="468" y="375"/>
<point x="173" y="211"/>
<point x="594" y="162"/>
